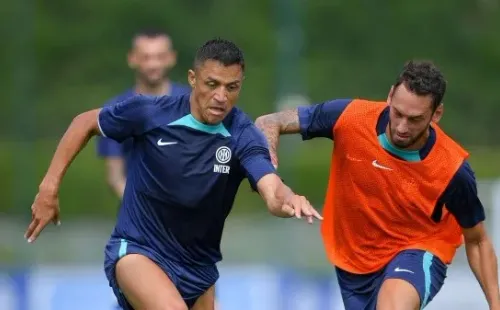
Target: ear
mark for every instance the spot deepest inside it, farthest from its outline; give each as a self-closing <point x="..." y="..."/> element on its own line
<point x="131" y="60"/>
<point x="389" y="97"/>
<point x="191" y="78"/>
<point x="436" y="117"/>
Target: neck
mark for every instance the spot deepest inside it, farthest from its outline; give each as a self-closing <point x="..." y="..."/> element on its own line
<point x="162" y="88"/>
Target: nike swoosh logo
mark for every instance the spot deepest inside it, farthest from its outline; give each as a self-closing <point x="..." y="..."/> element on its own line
<point x="402" y="270"/>
<point x="161" y="143"/>
<point x="377" y="165"/>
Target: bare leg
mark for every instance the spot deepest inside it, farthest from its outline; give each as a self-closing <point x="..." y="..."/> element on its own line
<point x="206" y="301"/>
<point x="146" y="286"/>
<point x="397" y="294"/>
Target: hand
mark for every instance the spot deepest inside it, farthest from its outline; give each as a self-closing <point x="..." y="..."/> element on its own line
<point x="45" y="209"/>
<point x="297" y="206"/>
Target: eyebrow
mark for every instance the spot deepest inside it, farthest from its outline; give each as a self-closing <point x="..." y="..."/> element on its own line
<point x="216" y="80"/>
<point x="409" y="116"/>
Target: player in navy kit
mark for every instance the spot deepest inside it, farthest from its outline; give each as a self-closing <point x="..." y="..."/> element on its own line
<point x="189" y="157"/>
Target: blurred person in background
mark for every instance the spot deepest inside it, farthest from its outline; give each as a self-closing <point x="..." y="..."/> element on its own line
<point x="151" y="56"/>
<point x="409" y="187"/>
<point x="189" y="157"/>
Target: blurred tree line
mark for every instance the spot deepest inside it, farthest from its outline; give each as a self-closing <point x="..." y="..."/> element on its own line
<point x="70" y="56"/>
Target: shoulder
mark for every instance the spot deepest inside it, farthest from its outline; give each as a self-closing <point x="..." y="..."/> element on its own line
<point x="360" y="111"/>
<point x="120" y="97"/>
<point x="243" y="130"/>
<point x="465" y="174"/>
<point x="170" y="102"/>
<point x="167" y="109"/>
<point x="236" y="122"/>
<point x="363" y="106"/>
<point x="179" y="89"/>
<point x="463" y="182"/>
<point x="448" y="144"/>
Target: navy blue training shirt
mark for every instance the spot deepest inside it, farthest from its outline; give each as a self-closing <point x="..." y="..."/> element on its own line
<point x="106" y="147"/>
<point x="183" y="174"/>
<point x="460" y="196"/>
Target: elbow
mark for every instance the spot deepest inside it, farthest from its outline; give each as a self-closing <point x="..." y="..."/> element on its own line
<point x="266" y="121"/>
<point x="87" y="121"/>
<point x="261" y="121"/>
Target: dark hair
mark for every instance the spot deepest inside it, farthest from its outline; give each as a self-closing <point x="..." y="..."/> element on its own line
<point x="223" y="51"/>
<point x="149" y="33"/>
<point x="423" y="78"/>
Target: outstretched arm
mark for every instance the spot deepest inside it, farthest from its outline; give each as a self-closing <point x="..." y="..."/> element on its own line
<point x="276" y="124"/>
<point x="281" y="201"/>
<point x="82" y="128"/>
<point x="312" y="121"/>
<point x="45" y="209"/>
<point x="123" y="120"/>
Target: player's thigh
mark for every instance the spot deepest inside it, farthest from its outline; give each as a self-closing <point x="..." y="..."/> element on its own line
<point x="206" y="301"/>
<point x="145" y="285"/>
<point x="412" y="279"/>
<point x="397" y="294"/>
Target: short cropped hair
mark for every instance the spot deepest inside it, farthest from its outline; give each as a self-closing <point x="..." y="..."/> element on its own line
<point x="423" y="78"/>
<point x="224" y="51"/>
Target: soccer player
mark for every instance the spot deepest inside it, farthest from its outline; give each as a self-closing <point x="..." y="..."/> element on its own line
<point x="189" y="156"/>
<point x="151" y="56"/>
<point x="401" y="195"/>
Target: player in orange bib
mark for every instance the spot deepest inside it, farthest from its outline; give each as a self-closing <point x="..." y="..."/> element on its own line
<point x="401" y="196"/>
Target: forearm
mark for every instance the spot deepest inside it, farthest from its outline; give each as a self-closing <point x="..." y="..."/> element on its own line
<point x="82" y="128"/>
<point x="275" y="203"/>
<point x="274" y="193"/>
<point x="115" y="173"/>
<point x="118" y="187"/>
<point x="483" y="262"/>
<point x="276" y="124"/>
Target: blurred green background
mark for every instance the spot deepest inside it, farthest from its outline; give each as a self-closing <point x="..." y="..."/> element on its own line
<point x="68" y="57"/>
<point x="60" y="58"/>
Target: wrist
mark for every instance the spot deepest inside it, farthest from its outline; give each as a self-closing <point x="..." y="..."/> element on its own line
<point x="49" y="186"/>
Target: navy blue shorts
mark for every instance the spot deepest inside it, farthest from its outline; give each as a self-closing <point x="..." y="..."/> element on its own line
<point x="423" y="270"/>
<point x="190" y="281"/>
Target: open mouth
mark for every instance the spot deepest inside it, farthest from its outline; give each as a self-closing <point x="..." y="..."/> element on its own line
<point x="217" y="111"/>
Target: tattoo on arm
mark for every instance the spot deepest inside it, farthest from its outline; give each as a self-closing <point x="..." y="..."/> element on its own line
<point x="276" y="124"/>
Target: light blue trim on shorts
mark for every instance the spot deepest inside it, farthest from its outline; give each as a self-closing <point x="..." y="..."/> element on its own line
<point x="426" y="265"/>
<point x="123" y="248"/>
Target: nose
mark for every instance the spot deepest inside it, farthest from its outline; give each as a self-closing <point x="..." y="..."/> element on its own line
<point x="153" y="62"/>
<point x="402" y="126"/>
<point x="220" y="95"/>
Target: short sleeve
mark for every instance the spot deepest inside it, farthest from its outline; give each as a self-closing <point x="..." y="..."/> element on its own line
<point x="461" y="199"/>
<point x="106" y="147"/>
<point x="127" y="118"/>
<point x="253" y="153"/>
<point x="318" y="120"/>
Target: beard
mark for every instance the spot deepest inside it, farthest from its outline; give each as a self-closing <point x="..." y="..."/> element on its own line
<point x="410" y="141"/>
